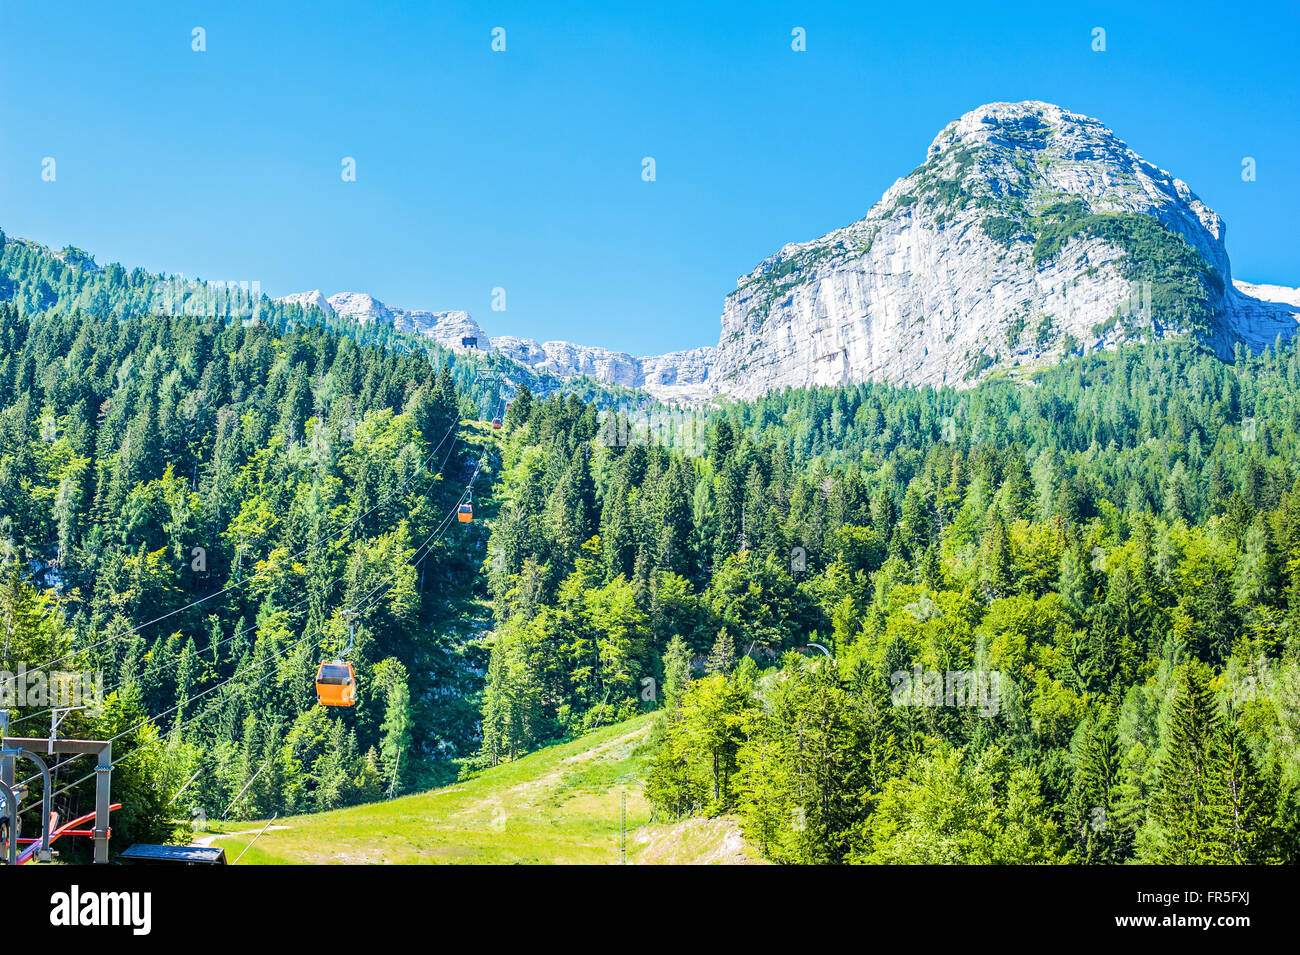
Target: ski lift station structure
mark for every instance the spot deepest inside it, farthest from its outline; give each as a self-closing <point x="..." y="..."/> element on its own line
<point x="35" y="750"/>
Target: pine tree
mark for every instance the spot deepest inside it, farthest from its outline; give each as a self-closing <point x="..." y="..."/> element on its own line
<point x="1094" y="790"/>
<point x="996" y="571"/>
<point x="397" y="735"/>
<point x="677" y="673"/>
<point x="1207" y="805"/>
<point x="1184" y="813"/>
<point x="722" y="658"/>
<point x="1248" y="826"/>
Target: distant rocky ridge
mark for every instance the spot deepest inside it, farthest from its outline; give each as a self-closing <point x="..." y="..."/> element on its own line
<point x="1269" y="293"/>
<point x="1028" y="234"/>
<point x="675" y="376"/>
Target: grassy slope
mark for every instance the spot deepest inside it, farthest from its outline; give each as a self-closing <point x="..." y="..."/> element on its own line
<point x="558" y="805"/>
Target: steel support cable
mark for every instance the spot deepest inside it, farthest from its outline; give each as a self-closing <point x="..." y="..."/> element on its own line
<point x="237" y="633"/>
<point x="244" y="580"/>
<point x="270" y="672"/>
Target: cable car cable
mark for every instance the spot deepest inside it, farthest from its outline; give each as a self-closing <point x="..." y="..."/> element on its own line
<point x="243" y="580"/>
<point x="210" y="709"/>
<point x="242" y="629"/>
<point x="321" y="631"/>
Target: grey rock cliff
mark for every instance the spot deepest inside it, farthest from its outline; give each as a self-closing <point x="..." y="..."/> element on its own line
<point x="1028" y="233"/>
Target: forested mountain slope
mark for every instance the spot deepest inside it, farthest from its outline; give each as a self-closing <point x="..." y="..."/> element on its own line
<point x="36" y="279"/>
<point x="1106" y="557"/>
<point x="188" y="505"/>
<point x="1107" y="551"/>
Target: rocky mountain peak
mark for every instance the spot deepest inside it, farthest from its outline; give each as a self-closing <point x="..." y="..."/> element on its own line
<point x="1027" y="234"/>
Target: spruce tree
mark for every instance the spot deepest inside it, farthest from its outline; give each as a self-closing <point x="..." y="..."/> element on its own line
<point x="1207" y="807"/>
<point x="722" y="658"/>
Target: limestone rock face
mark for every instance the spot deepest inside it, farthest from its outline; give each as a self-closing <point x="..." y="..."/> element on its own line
<point x="448" y="329"/>
<point x="682" y="375"/>
<point x="312" y="299"/>
<point x="675" y="376"/>
<point x="566" y="359"/>
<point x="1027" y="233"/>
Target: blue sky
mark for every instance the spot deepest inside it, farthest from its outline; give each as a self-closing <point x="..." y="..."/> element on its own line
<point x="523" y="169"/>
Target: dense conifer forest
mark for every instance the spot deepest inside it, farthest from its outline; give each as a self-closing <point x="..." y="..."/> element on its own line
<point x="1044" y="620"/>
<point x="1053" y="618"/>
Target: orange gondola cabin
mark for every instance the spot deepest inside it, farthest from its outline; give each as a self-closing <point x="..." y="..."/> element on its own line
<point x="465" y="513"/>
<point x="336" y="684"/>
<point x="496" y="424"/>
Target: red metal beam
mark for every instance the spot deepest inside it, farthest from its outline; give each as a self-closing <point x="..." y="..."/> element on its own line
<point x="67" y="829"/>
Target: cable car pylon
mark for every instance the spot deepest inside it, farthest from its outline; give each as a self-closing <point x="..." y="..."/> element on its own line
<point x="496" y="400"/>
